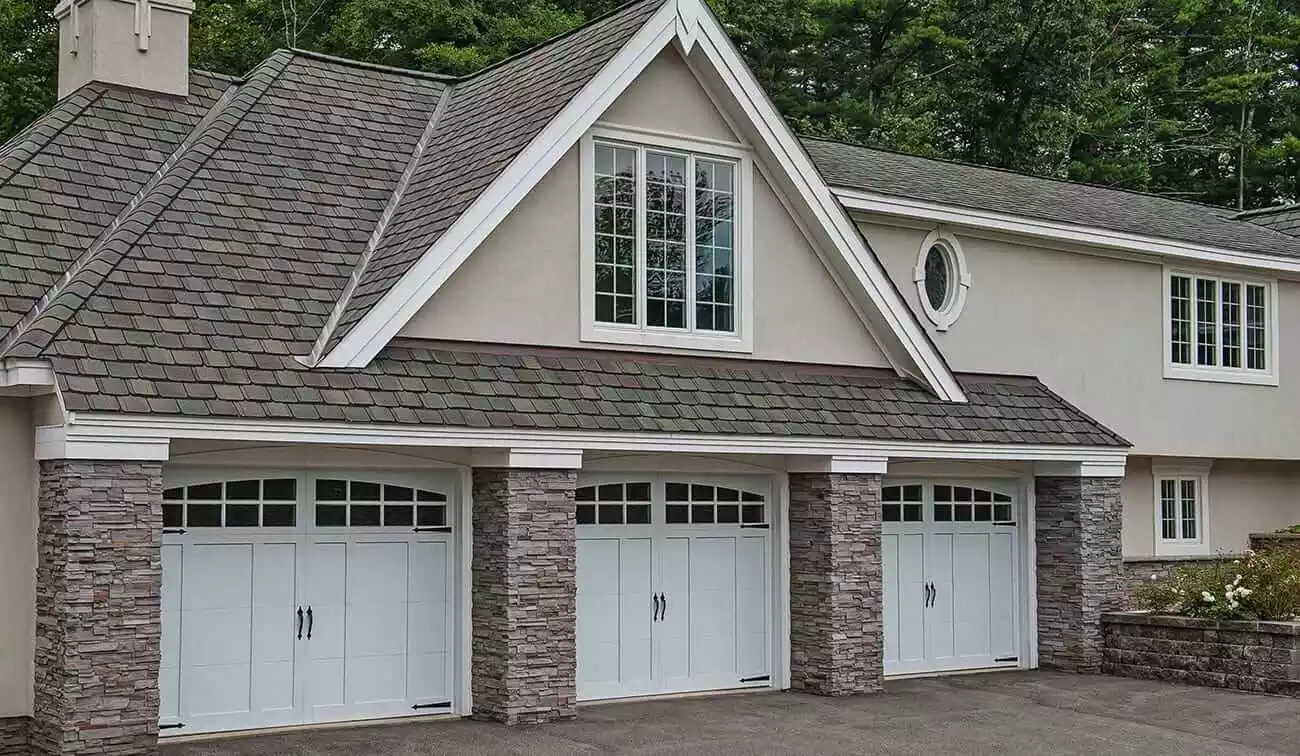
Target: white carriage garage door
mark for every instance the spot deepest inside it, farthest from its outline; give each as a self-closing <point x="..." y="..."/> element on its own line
<point x="674" y="585"/>
<point x="951" y="574"/>
<point x="310" y="598"/>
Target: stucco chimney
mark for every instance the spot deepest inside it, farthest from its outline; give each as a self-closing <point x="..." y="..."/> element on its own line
<point x="136" y="43"/>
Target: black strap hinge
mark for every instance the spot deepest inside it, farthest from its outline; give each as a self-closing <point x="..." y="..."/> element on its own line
<point x="759" y="526"/>
<point x="1001" y="659"/>
<point x="439" y="529"/>
<point x="439" y="705"/>
<point x="173" y="531"/>
<point x="760" y="678"/>
<point x="176" y="726"/>
<point x="1010" y="524"/>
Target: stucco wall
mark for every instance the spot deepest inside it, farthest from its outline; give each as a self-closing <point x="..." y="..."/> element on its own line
<point x="17" y="556"/>
<point x="523" y="283"/>
<point x="1092" y="328"/>
<point x="1244" y="497"/>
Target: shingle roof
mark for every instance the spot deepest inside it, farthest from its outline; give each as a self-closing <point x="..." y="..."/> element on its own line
<point x="477" y="386"/>
<point x="995" y="190"/>
<point x="183" y="256"/>
<point x="1283" y="218"/>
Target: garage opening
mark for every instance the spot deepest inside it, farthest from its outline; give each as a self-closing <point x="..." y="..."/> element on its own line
<point x="951" y="572"/>
<point x="293" y="599"/>
<point x="674" y="585"/>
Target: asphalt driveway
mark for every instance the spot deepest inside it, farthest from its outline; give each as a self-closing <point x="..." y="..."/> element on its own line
<point x="1002" y="713"/>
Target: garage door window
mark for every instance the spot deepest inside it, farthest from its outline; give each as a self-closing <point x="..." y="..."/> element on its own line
<point x="362" y="503"/>
<point x="696" y="504"/>
<point x="269" y="503"/>
<point x="614" y="504"/>
<point x="968" y="504"/>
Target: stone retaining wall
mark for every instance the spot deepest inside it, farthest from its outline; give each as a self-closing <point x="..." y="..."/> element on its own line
<point x="1262" y="657"/>
<point x="13" y="735"/>
<point x="1280" y="541"/>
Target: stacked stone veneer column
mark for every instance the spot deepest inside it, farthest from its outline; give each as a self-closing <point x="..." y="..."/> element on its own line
<point x="524" y="658"/>
<point x="1080" y="567"/>
<point x="98" y="614"/>
<point x="836" y="634"/>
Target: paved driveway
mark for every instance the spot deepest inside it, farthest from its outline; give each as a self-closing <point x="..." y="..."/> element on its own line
<point x="1003" y="713"/>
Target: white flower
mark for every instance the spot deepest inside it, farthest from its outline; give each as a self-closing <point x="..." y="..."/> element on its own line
<point x="1243" y="592"/>
<point x="1155" y="576"/>
<point x="1237" y="581"/>
<point x="1207" y="597"/>
<point x="1236" y="561"/>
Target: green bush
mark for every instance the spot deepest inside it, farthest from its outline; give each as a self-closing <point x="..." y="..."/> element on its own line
<point x="1262" y="586"/>
<point x="1291" y="529"/>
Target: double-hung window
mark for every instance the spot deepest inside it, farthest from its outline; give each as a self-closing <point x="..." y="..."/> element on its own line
<point x="1181" y="500"/>
<point x="665" y="246"/>
<point x="1219" y="328"/>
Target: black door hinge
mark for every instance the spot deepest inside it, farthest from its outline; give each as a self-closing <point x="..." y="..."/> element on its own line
<point x="439" y="705"/>
<point x="176" y="726"/>
<point x="1001" y="659"/>
<point x="439" y="529"/>
<point x="1010" y="524"/>
<point x="758" y="526"/>
<point x="760" y="678"/>
<point x="173" y="531"/>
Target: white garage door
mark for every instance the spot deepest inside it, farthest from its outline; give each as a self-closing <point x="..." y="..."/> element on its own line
<point x="674" y="586"/>
<point x="951" y="570"/>
<point x="291" y="600"/>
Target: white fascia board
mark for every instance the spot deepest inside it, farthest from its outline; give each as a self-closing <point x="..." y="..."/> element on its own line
<point x="382" y="322"/>
<point x="15" y="373"/>
<point x="883" y="204"/>
<point x="63" y="442"/>
<point x="840" y="463"/>
<point x="130" y="428"/>
<point x="1097" y="468"/>
<point x="790" y="157"/>
<point x="530" y="458"/>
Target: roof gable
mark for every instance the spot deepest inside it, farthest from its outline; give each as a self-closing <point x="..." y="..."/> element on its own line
<point x="424" y="253"/>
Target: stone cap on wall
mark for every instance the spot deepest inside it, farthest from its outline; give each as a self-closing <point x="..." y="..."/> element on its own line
<point x="1169" y="620"/>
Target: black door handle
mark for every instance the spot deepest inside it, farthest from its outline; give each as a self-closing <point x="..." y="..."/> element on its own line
<point x="310" y="622"/>
<point x="663" y="606"/>
<point x="655" y="617"/>
<point x="300" y="623"/>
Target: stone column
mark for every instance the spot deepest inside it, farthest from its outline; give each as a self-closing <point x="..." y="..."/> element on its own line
<point x="524" y="659"/>
<point x="1080" y="567"/>
<point x="836" y="635"/>
<point x="98" y="608"/>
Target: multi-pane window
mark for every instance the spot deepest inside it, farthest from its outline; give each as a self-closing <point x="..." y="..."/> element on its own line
<point x="1180" y="509"/>
<point x="363" y="503"/>
<point x="1216" y="323"/>
<point x="696" y="504"/>
<point x="614" y="504"/>
<point x="903" y="503"/>
<point x="968" y="504"/>
<point x="252" y="503"/>
<point x="665" y="239"/>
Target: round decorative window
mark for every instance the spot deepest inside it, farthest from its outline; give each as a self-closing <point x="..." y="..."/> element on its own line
<point x="941" y="279"/>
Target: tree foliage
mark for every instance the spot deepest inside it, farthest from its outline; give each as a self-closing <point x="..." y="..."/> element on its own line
<point x="1194" y="99"/>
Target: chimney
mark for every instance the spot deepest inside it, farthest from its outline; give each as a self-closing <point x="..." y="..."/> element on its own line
<point x="143" y="44"/>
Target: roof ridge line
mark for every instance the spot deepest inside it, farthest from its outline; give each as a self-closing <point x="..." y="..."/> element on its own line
<point x="1258" y="211"/>
<point x="354" y="63"/>
<point x="35" y="126"/>
<point x="1011" y="171"/>
<point x="381" y="227"/>
<point x="157" y="194"/>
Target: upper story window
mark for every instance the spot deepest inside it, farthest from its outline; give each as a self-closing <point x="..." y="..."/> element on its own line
<point x="1220" y="328"/>
<point x="666" y="259"/>
<point x="941" y="279"/>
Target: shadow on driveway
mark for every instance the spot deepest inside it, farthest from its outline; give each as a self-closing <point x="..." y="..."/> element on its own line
<point x="999" y="713"/>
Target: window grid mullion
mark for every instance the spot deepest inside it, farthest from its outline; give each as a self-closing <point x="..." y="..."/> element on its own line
<point x="690" y="243"/>
<point x="641" y="272"/>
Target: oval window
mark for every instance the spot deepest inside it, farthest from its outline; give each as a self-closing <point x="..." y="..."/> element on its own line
<point x="938" y="274"/>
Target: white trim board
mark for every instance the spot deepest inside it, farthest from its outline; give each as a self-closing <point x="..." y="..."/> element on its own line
<point x="693" y="26"/>
<point x="111" y="430"/>
<point x="883" y="204"/>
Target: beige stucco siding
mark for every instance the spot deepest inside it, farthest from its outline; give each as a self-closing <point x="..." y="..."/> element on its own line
<point x="1092" y="328"/>
<point x="17" y="556"/>
<point x="523" y="284"/>
<point x="1245" y="497"/>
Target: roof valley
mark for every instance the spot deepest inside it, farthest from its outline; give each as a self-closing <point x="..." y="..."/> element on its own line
<point x="376" y="236"/>
<point x="56" y="307"/>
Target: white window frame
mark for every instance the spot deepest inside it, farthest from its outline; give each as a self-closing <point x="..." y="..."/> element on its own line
<point x="1219" y="373"/>
<point x="1200" y="473"/>
<point x="639" y="334"/>
<point x="958" y="283"/>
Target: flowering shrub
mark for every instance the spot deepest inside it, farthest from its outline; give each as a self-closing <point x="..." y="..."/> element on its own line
<point x="1262" y="586"/>
<point x="1291" y="529"/>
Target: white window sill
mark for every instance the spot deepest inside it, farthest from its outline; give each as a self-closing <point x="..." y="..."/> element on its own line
<point x="1220" y="375"/>
<point x="1174" y="549"/>
<point x="665" y="338"/>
